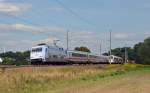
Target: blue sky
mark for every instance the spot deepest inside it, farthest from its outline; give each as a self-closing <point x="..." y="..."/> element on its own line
<point x="24" y="23"/>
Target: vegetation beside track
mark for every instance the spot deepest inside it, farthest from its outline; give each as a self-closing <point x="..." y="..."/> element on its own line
<point x="63" y="79"/>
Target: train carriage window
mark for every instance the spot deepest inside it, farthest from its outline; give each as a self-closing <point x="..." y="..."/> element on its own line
<point x="79" y="55"/>
<point x="92" y="56"/>
<point x="83" y="55"/>
<point x="75" y="54"/>
<point x="66" y="52"/>
<point x="61" y="57"/>
<point x="55" y="56"/>
<point x="111" y="57"/>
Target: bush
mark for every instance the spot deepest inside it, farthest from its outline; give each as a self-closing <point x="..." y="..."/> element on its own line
<point x="11" y="61"/>
<point x="8" y="61"/>
<point x="143" y="51"/>
<point x="15" y="58"/>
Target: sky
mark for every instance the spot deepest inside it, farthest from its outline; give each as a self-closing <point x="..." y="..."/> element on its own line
<point x="25" y="23"/>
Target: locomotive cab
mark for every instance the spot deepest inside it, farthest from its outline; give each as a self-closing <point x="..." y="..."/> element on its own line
<point x="38" y="53"/>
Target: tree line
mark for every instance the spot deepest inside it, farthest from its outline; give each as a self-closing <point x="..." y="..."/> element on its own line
<point x="140" y="54"/>
<point x="16" y="58"/>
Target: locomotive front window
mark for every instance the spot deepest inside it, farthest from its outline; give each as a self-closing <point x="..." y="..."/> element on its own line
<point x="111" y="57"/>
<point x="79" y="55"/>
<point x="37" y="50"/>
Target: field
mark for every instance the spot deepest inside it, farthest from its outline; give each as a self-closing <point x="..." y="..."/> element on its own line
<point x="129" y="78"/>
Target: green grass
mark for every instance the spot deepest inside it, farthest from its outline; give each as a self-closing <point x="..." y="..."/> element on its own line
<point x="59" y="79"/>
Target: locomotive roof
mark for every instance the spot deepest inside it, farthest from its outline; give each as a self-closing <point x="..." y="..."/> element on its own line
<point x="46" y="46"/>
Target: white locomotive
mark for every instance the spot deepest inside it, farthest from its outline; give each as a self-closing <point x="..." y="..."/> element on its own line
<point x="45" y="53"/>
<point x="55" y="54"/>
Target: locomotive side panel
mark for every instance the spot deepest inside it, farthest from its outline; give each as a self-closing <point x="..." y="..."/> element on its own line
<point x="56" y="54"/>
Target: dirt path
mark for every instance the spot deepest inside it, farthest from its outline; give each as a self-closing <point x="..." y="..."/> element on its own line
<point x="133" y="83"/>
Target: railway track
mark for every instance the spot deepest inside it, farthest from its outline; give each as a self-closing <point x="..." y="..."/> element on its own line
<point x="50" y="65"/>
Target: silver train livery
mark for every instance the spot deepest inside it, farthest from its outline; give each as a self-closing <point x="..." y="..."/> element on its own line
<point x="41" y="54"/>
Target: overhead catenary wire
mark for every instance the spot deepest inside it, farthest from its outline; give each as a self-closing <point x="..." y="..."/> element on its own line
<point x="41" y="16"/>
<point x="74" y="13"/>
<point x="60" y="3"/>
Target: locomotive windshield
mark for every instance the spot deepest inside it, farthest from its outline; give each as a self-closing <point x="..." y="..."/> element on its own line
<point x="37" y="50"/>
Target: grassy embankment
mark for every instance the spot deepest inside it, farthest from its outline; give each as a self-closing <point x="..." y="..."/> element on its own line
<point x="66" y="79"/>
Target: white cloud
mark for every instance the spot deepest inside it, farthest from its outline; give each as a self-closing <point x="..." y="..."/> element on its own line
<point x="147" y="33"/>
<point x="82" y="34"/>
<point x="49" y="40"/>
<point x="29" y="28"/>
<point x="2" y="0"/>
<point x="13" y="9"/>
<point x="22" y="45"/>
<point x="124" y="36"/>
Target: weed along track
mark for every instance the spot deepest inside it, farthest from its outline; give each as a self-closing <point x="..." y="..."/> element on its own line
<point x="75" y="79"/>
